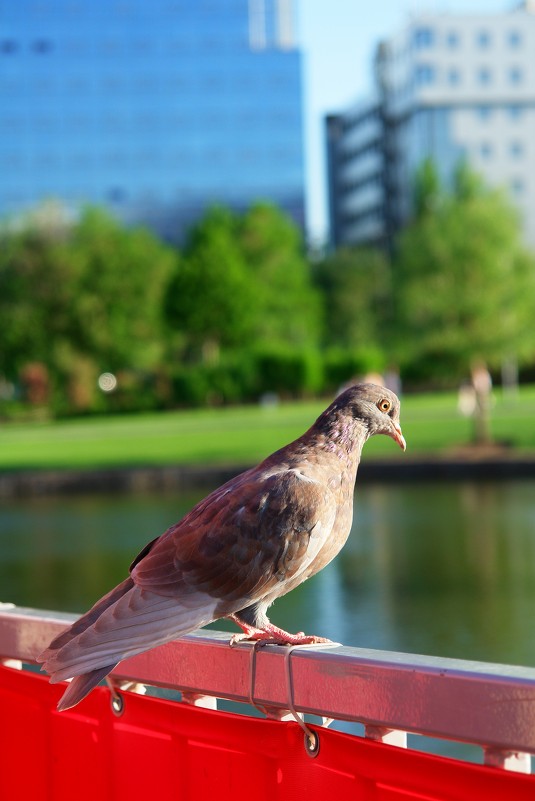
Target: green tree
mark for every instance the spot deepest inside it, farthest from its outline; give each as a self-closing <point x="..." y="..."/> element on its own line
<point x="464" y="284"/>
<point x="287" y="304"/>
<point x="210" y="300"/>
<point x="38" y="287"/>
<point x="355" y="285"/>
<point x="242" y="282"/>
<point x="427" y="189"/>
<point x="80" y="297"/>
<point x="123" y="277"/>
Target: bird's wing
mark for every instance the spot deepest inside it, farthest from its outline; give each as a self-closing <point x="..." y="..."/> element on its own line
<point x="231" y="549"/>
<point x="241" y="540"/>
<point x="135" y="621"/>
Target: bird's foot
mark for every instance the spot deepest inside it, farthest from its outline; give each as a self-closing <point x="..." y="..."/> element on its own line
<point x="281" y="637"/>
<point x="273" y="634"/>
<point x="244" y="637"/>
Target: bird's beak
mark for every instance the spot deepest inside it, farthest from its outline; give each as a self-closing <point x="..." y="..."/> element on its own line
<point x="398" y="437"/>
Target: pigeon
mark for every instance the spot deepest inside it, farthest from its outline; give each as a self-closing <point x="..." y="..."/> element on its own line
<point x="246" y="544"/>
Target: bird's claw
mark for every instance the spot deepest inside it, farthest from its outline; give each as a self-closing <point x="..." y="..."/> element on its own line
<point x="237" y="638"/>
<point x="278" y="638"/>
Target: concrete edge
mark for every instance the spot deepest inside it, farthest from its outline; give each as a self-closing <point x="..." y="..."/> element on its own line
<point x="27" y="483"/>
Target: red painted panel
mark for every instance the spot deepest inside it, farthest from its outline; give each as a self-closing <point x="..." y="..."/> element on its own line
<point x="168" y="751"/>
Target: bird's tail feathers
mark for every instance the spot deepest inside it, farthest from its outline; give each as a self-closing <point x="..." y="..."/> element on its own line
<point x="80" y="686"/>
<point x="126" y="622"/>
<point x="87" y="620"/>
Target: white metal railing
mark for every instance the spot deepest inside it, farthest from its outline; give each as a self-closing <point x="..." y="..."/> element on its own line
<point x="492" y="706"/>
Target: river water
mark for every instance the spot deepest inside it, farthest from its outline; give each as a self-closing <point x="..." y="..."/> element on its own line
<point x="444" y="569"/>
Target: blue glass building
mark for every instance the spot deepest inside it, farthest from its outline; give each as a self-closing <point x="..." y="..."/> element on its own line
<point x="154" y="109"/>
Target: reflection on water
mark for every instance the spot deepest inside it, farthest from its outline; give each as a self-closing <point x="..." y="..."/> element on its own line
<point x="444" y="569"/>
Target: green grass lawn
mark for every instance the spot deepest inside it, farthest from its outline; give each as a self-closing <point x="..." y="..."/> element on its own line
<point x="243" y="435"/>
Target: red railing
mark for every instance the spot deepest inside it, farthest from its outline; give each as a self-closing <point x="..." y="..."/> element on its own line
<point x="154" y="748"/>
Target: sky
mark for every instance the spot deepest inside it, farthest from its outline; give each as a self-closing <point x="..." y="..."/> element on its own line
<point x="337" y="39"/>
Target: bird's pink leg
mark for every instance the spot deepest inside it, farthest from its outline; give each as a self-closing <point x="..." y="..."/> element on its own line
<point x="274" y="634"/>
<point x="249" y="632"/>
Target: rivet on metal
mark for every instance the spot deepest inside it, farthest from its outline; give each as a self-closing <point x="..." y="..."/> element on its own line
<point x="117" y="704"/>
<point x="312" y="743"/>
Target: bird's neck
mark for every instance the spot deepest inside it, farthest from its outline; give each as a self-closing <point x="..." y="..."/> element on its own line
<point x="339" y="436"/>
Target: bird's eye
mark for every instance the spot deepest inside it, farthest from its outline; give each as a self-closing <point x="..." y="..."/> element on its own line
<point x="384" y="405"/>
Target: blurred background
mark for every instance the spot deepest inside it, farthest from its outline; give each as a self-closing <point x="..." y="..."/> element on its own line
<point x="214" y="215"/>
<point x="204" y="203"/>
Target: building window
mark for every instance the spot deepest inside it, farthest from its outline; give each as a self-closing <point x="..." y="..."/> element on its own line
<point x="424" y="74"/>
<point x="42" y="46"/>
<point x="76" y="47"/>
<point x="484" y="76"/>
<point x="452" y="40"/>
<point x="77" y="84"/>
<point x="515" y="112"/>
<point x="516" y="149"/>
<point x="44" y="123"/>
<point x="11" y="123"/>
<point x="454" y="76"/>
<point x="109" y="47"/>
<point x="484" y="112"/>
<point x="514" y="39"/>
<point x="515" y="75"/>
<point x="8" y="46"/>
<point x="116" y="194"/>
<point x="485" y="150"/>
<point x="423" y="37"/>
<point x="483" y="39"/>
<point x="517" y="186"/>
<point x="141" y="46"/>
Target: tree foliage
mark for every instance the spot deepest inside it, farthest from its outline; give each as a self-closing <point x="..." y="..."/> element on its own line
<point x="38" y="288"/>
<point x="240" y="311"/>
<point x="80" y="297"/>
<point x="287" y="304"/>
<point x="209" y="299"/>
<point x="464" y="285"/>
<point x="355" y="286"/>
<point x="427" y="190"/>
<point x="242" y="281"/>
<point x="123" y="274"/>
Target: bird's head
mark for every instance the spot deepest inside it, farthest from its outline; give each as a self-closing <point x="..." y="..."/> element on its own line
<point x="375" y="407"/>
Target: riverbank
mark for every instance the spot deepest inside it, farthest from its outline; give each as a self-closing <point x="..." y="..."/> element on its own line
<point x="464" y="464"/>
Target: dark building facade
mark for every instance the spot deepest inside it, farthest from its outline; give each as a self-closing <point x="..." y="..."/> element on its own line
<point x="357" y="176"/>
<point x="154" y="109"/>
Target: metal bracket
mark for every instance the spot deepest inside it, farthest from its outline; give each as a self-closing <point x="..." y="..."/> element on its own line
<point x="312" y="740"/>
<point x="507" y="760"/>
<point x="198" y="699"/>
<point x="389" y="736"/>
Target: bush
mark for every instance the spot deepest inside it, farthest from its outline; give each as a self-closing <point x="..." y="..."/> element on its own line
<point x="246" y="376"/>
<point x="231" y="380"/>
<point x="433" y="370"/>
<point x="35" y="383"/>
<point x="294" y="373"/>
<point x="140" y="390"/>
<point x="343" y="365"/>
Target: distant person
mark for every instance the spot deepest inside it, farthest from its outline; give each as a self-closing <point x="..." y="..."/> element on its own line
<point x="482" y="384"/>
<point x="374" y="378"/>
<point x="393" y="380"/>
<point x="466" y="401"/>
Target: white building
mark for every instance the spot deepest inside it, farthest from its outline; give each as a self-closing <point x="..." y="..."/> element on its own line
<point x="453" y="86"/>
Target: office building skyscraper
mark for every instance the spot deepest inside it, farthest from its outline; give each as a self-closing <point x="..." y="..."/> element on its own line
<point x="447" y="87"/>
<point x="155" y="109"/>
